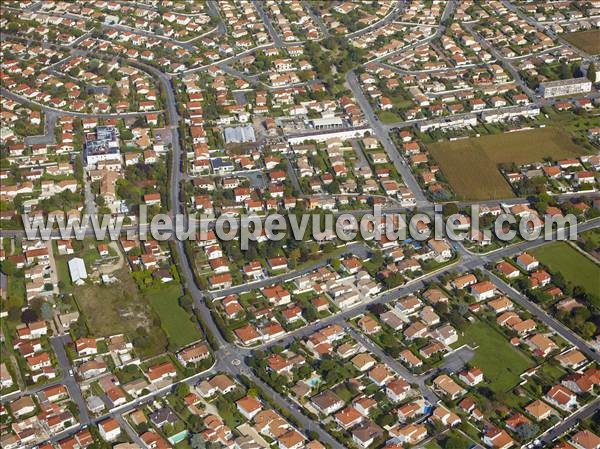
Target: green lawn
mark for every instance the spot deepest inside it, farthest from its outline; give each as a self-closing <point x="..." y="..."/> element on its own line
<point x="574" y="266"/>
<point x="452" y="438"/>
<point x="174" y="320"/>
<point x="593" y="236"/>
<point x="62" y="268"/>
<point x="589" y="241"/>
<point x="389" y="117"/>
<point x="471" y="165"/>
<point x="15" y="292"/>
<point x="344" y="393"/>
<point x="500" y="362"/>
<point x="89" y="253"/>
<point x="551" y="372"/>
<point x="183" y="444"/>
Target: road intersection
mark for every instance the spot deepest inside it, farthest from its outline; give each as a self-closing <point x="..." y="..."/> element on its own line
<point x="232" y="358"/>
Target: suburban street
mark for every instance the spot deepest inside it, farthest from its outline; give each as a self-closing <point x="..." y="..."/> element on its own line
<point x="384" y="137"/>
<point x="58" y="344"/>
<point x="231" y="357"/>
<point x="541" y="315"/>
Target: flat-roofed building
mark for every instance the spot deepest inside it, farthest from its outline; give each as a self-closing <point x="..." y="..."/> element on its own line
<point x="551" y="89"/>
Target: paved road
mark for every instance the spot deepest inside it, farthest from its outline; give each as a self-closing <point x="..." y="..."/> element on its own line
<point x="58" y="345"/>
<point x="395" y="12"/>
<point x="307" y="424"/>
<point x="22" y="100"/>
<point x="128" y="429"/>
<point x="541" y="315"/>
<point x="5" y="398"/>
<point x="48" y="138"/>
<point x="383" y="135"/>
<point x="250" y="79"/>
<point x="214" y="11"/>
<point x="398" y="368"/>
<point x="544" y="28"/>
<point x="175" y="204"/>
<point x="231" y="358"/>
<point x="273" y="32"/>
<point x="468" y="262"/>
<point x="293" y="175"/>
<point x="428" y="209"/>
<point x="448" y="11"/>
<point x="566" y="424"/>
<point x="316" y="18"/>
<point x="359" y="249"/>
<point x="173" y="124"/>
<point x="506" y="64"/>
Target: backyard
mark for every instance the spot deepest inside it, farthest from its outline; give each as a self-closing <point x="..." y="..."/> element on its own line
<point x="574" y="266"/>
<point x="471" y="165"/>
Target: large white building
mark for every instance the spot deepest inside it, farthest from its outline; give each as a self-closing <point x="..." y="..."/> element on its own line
<point x="443" y="123"/>
<point x="551" y="89"/>
<point x="77" y="270"/>
<point x="103" y="146"/>
<point x="327" y="123"/>
<point x="239" y="134"/>
<point x="322" y="136"/>
<point x="508" y="114"/>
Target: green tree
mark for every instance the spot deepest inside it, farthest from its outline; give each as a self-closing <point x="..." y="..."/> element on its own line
<point x="527" y="431"/>
<point x="588" y="330"/>
<point x="566" y="71"/>
<point x="182" y="390"/>
<point x="197" y="442"/>
<point x="9" y="267"/>
<point x="591" y="72"/>
<point x="453" y="442"/>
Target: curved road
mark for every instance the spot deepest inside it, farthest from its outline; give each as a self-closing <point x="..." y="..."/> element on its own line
<point x="232" y="358"/>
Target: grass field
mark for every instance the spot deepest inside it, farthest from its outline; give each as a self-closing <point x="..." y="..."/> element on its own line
<point x="15" y="292"/>
<point x="588" y="41"/>
<point x="574" y="266"/>
<point x="590" y="242"/>
<point x="500" y="362"/>
<point x="389" y="117"/>
<point x="433" y="444"/>
<point x="120" y="308"/>
<point x="460" y="441"/>
<point x="174" y="320"/>
<point x="471" y="165"/>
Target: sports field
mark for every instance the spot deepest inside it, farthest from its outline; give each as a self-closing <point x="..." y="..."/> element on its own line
<point x="588" y="41"/>
<point x="574" y="266"/>
<point x="471" y="165"/>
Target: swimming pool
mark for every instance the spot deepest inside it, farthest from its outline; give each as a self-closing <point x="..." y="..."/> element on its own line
<point x="313" y="381"/>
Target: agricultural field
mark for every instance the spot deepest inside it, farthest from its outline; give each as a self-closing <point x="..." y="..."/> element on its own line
<point x="471" y="165"/>
<point x="588" y="41"/>
<point x="500" y="362"/>
<point x="574" y="266"/>
<point x="174" y="320"/>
